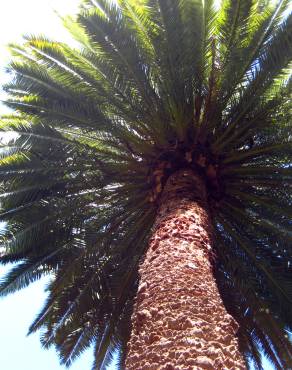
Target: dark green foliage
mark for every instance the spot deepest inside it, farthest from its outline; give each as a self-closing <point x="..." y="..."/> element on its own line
<point x="154" y="86"/>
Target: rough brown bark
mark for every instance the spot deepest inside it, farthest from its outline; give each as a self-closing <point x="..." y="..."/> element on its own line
<point x="179" y="320"/>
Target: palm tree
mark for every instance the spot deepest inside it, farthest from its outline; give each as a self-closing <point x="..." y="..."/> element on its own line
<point x="159" y="148"/>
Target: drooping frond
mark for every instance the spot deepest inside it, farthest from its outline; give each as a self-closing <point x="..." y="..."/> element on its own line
<point x="152" y="87"/>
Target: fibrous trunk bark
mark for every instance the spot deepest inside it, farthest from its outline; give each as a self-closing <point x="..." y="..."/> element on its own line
<point x="179" y="320"/>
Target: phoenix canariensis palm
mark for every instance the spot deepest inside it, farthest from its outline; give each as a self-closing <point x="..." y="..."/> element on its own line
<point x="156" y="92"/>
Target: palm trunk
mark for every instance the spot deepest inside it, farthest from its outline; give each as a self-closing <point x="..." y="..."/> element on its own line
<point x="179" y="320"/>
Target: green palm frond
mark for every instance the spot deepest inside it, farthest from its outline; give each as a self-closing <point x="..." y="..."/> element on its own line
<point x="153" y="86"/>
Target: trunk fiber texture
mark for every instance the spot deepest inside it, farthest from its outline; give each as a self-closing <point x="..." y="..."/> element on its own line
<point x="179" y="320"/>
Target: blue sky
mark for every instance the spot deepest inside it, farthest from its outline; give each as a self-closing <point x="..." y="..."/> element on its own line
<point x="17" y="351"/>
<point x="19" y="17"/>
